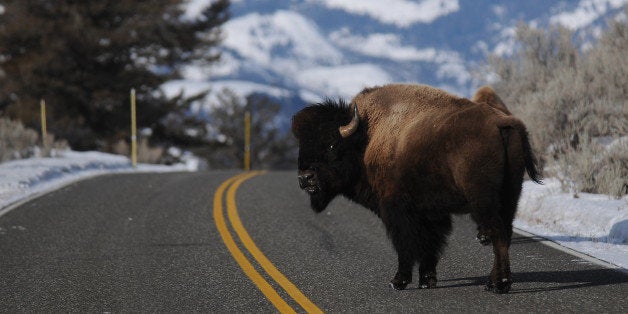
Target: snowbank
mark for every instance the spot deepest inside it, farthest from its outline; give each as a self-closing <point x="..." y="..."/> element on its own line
<point x="20" y="179"/>
<point x="596" y="225"/>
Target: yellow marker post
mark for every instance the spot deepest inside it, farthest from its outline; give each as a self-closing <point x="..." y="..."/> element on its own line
<point x="133" y="130"/>
<point x="247" y="141"/>
<point x="44" y="132"/>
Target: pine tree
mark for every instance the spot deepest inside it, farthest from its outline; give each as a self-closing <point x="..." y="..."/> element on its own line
<point x="83" y="57"/>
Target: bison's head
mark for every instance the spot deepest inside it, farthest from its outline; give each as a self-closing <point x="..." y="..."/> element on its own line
<point x="328" y="150"/>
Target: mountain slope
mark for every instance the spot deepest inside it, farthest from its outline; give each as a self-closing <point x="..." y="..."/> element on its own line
<point x="331" y="48"/>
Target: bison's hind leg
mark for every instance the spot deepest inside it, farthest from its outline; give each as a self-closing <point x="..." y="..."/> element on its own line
<point x="483" y="236"/>
<point x="496" y="225"/>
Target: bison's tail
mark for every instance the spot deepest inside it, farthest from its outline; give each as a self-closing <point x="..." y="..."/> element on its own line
<point x="529" y="159"/>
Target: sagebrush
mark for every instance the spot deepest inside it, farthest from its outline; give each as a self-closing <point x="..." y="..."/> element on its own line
<point x="572" y="101"/>
<point x="17" y="142"/>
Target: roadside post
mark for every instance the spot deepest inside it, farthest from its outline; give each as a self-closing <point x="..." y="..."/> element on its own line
<point x="44" y="132"/>
<point x="133" y="131"/>
<point x="247" y="141"/>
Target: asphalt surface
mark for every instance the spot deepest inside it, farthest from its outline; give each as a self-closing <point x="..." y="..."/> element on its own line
<point x="149" y="243"/>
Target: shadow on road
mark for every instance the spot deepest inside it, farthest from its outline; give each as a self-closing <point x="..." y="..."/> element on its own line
<point x="550" y="280"/>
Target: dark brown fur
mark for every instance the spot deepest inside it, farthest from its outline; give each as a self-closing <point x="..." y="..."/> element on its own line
<point x="419" y="155"/>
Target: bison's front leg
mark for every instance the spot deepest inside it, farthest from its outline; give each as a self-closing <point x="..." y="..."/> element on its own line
<point x="394" y="214"/>
<point x="433" y="232"/>
<point x="405" y="259"/>
<point x="427" y="273"/>
<point x="403" y="277"/>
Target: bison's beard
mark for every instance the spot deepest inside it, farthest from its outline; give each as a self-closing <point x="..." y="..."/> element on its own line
<point x="320" y="200"/>
<point x="328" y="186"/>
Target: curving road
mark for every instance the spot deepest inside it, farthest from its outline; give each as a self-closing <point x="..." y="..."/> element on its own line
<point x="219" y="242"/>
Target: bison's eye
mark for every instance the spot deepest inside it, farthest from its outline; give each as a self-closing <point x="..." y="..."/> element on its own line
<point x="332" y="151"/>
<point x="333" y="147"/>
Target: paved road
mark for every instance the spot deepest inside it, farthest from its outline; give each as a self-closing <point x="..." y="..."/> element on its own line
<point x="149" y="242"/>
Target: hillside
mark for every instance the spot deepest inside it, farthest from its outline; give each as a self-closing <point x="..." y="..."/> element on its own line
<point x="302" y="51"/>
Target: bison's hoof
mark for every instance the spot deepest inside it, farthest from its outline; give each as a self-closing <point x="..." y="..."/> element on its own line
<point x="399" y="282"/>
<point x="483" y="239"/>
<point x="500" y="287"/>
<point x="398" y="286"/>
<point x="427" y="282"/>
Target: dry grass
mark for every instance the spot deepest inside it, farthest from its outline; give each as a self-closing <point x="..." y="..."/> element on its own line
<point x="145" y="153"/>
<point x="17" y="142"/>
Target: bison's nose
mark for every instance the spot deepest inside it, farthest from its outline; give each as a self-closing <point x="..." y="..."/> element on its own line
<point x="306" y="179"/>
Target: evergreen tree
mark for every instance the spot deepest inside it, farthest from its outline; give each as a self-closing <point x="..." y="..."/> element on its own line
<point x="83" y="57"/>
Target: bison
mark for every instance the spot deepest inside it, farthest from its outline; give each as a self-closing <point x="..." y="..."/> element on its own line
<point x="415" y="155"/>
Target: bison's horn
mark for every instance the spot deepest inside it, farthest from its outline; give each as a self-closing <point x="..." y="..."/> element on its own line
<point x="347" y="130"/>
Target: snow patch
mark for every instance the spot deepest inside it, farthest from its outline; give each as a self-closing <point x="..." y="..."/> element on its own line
<point x="20" y="179"/>
<point x="382" y="46"/>
<point x="586" y="13"/>
<point x="401" y="13"/>
<point x="343" y="81"/>
<point x="259" y="37"/>
<point x="241" y="88"/>
<point x="388" y="46"/>
<point x="596" y="225"/>
<point x="192" y="87"/>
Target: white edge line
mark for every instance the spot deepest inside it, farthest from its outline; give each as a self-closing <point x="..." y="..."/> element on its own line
<point x="558" y="246"/>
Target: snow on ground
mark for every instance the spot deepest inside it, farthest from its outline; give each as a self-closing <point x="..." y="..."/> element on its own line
<point x="21" y="179"/>
<point x="595" y="225"/>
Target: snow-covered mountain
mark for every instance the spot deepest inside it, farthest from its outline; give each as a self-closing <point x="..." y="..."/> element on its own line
<point x="303" y="51"/>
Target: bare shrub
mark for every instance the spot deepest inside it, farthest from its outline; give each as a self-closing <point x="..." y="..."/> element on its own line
<point x="595" y="167"/>
<point x="570" y="99"/>
<point x="145" y="153"/>
<point x="16" y="141"/>
<point x="121" y="147"/>
<point x="528" y="81"/>
<point x="51" y="146"/>
<point x="149" y="154"/>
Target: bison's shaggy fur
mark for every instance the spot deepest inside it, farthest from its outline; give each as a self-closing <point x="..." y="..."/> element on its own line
<point x="414" y="155"/>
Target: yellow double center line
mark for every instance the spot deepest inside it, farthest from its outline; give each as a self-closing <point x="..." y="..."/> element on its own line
<point x="232" y="213"/>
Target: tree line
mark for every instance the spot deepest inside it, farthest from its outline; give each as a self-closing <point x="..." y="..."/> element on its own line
<point x="84" y="56"/>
